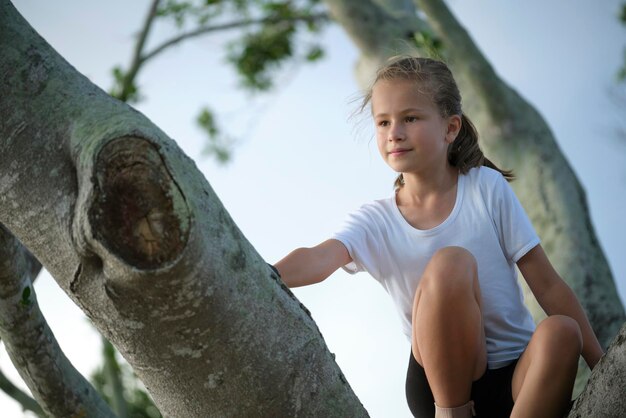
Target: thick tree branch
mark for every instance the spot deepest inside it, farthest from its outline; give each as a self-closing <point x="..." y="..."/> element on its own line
<point x="604" y="394"/>
<point x="55" y="383"/>
<point x="468" y="58"/>
<point x="26" y="402"/>
<point x="377" y="32"/>
<point x="134" y="234"/>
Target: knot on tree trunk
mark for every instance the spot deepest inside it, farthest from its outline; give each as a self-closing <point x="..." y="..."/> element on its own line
<point x="138" y="212"/>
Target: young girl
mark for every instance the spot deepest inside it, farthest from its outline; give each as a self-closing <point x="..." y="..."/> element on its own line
<point x="445" y="246"/>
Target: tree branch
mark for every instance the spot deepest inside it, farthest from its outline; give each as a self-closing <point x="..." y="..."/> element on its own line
<point x="604" y="394"/>
<point x="136" y="61"/>
<point x="55" y="383"/>
<point x="134" y="233"/>
<point x="377" y="32"/>
<point x="230" y="25"/>
<point x="27" y="403"/>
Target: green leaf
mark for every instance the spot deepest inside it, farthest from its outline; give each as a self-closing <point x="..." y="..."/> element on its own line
<point x="138" y="402"/>
<point x="621" y="73"/>
<point x="177" y="10"/>
<point x="118" y="74"/>
<point x="219" y="152"/>
<point x="261" y="52"/>
<point x="25" y="301"/>
<point x="279" y="9"/>
<point x="218" y="145"/>
<point x="206" y="120"/>
<point x="315" y="53"/>
<point x="428" y="42"/>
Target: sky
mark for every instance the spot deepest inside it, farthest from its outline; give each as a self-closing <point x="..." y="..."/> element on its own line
<point x="301" y="163"/>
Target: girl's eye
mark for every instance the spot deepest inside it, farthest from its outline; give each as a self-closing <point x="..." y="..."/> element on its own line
<point x="411" y="118"/>
<point x="383" y="123"/>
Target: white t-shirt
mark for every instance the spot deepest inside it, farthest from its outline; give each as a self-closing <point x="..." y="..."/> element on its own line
<point x="487" y="220"/>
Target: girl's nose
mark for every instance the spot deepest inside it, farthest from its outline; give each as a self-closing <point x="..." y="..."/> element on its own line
<point x="396" y="134"/>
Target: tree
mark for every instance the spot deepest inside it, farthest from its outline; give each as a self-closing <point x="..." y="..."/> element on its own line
<point x="269" y="30"/>
<point x="59" y="269"/>
<point x="177" y="240"/>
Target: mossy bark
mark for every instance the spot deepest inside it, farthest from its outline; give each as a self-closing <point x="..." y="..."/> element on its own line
<point x="134" y="234"/>
<point x="603" y="396"/>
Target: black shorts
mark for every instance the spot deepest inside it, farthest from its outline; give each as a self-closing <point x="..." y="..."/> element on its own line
<point x="491" y="393"/>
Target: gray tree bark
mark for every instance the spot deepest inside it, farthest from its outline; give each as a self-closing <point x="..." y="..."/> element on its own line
<point x="58" y="387"/>
<point x="514" y="136"/>
<point x="603" y="396"/>
<point x="136" y="237"/>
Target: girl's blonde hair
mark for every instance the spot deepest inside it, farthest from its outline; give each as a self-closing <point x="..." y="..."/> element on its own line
<point x="435" y="79"/>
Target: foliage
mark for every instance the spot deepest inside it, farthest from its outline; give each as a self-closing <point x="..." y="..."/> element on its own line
<point x="127" y="93"/>
<point x="138" y="402"/>
<point x="272" y="32"/>
<point x="429" y="43"/>
<point x="261" y="52"/>
<point x="25" y="300"/>
<point x="218" y="145"/>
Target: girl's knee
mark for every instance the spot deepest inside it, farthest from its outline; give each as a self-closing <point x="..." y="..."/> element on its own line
<point x="560" y="336"/>
<point x="453" y="254"/>
<point x="449" y="268"/>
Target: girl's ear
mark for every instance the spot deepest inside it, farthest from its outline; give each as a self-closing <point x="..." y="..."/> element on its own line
<point x="454" y="126"/>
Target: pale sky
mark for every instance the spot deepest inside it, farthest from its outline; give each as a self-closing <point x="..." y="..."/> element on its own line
<point x="301" y="165"/>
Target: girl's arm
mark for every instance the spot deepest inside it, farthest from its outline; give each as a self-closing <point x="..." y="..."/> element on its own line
<point x="305" y="266"/>
<point x="556" y="297"/>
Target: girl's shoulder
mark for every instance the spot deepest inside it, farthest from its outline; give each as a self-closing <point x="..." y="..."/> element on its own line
<point x="374" y="213"/>
<point x="377" y="207"/>
<point x="484" y="175"/>
<point x="486" y="180"/>
<point x="486" y="184"/>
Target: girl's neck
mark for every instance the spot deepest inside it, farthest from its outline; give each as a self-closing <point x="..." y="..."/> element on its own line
<point x="420" y="188"/>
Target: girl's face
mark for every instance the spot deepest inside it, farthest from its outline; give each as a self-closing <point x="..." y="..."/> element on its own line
<point x="412" y="137"/>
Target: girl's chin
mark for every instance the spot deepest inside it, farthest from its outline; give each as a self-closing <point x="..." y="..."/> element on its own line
<point x="402" y="169"/>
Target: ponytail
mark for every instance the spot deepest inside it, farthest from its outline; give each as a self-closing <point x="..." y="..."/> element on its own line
<point x="465" y="153"/>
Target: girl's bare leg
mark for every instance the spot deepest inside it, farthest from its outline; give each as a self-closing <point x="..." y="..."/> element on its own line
<point x="448" y="334"/>
<point x="544" y="376"/>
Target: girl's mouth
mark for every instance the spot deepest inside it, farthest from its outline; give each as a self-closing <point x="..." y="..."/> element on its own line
<point x="398" y="152"/>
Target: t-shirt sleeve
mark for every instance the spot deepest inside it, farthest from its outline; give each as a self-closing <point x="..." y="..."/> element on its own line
<point x="359" y="235"/>
<point x="516" y="232"/>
